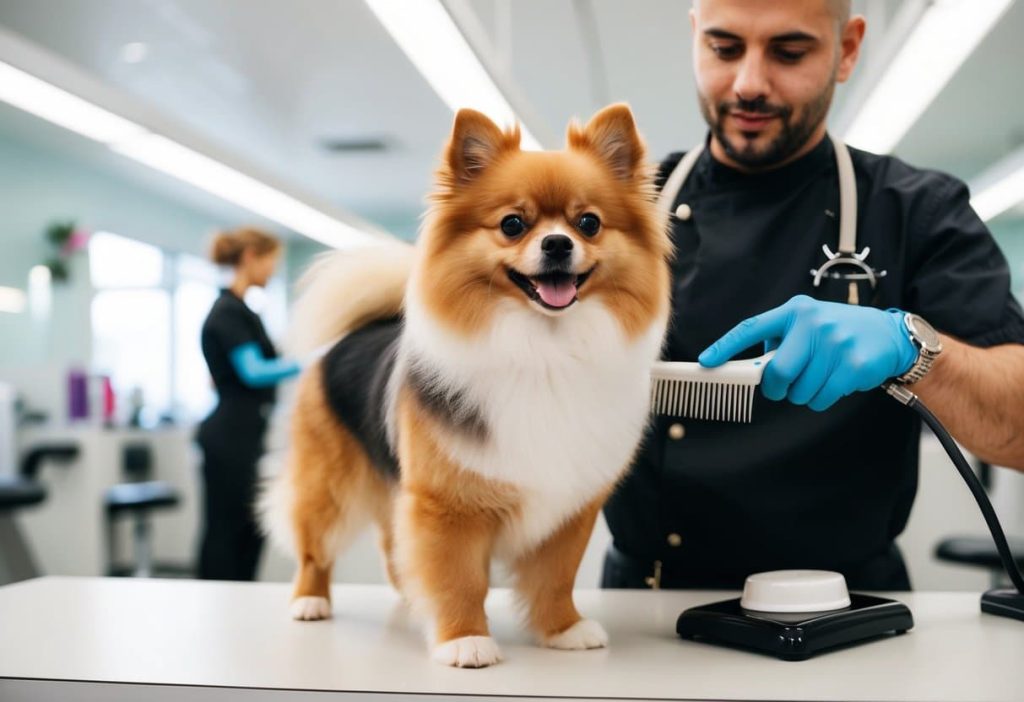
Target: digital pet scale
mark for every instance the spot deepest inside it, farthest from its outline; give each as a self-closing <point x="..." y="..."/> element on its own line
<point x="794" y="614"/>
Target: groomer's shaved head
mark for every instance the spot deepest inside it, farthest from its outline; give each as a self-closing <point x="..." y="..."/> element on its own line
<point x="766" y="73"/>
<point x="840" y="9"/>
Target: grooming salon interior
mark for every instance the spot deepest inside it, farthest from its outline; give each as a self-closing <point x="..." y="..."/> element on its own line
<point x="668" y="349"/>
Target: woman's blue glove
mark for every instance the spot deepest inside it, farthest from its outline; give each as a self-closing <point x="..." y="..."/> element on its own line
<point x="257" y="371"/>
<point x="825" y="350"/>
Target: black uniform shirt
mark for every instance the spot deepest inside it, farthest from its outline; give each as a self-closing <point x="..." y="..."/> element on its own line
<point x="798" y="488"/>
<point x="229" y="325"/>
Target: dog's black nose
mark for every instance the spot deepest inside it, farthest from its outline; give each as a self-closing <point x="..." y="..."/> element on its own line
<point x="556" y="246"/>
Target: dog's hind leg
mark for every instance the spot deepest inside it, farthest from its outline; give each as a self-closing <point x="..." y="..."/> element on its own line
<point x="384" y="516"/>
<point x="332" y="490"/>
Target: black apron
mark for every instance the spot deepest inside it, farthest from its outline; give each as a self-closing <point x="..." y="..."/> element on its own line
<point x="708" y="503"/>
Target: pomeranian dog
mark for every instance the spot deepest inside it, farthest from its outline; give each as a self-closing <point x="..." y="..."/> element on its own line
<point x="491" y="384"/>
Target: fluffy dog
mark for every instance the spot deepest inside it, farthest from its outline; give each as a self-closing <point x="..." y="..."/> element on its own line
<point x="491" y="384"/>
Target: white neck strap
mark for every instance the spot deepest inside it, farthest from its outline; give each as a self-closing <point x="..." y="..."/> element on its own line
<point x="847" y="191"/>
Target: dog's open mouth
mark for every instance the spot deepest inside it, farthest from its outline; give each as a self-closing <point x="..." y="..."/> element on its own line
<point x="554" y="291"/>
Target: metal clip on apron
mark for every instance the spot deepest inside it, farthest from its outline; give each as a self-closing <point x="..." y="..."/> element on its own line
<point x="846" y="255"/>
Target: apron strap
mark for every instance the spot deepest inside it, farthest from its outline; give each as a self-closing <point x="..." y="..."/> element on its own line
<point x="675" y="181"/>
<point x="847" y="191"/>
<point x="847" y="198"/>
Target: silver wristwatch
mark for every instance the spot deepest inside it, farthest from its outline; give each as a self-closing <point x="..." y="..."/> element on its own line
<point x="928" y="344"/>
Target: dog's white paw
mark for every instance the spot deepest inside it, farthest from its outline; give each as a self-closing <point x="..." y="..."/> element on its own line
<point x="584" y="634"/>
<point x="310" y="608"/>
<point x="468" y="652"/>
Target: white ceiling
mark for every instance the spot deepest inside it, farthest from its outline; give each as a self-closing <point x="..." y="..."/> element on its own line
<point x="979" y="118"/>
<point x="271" y="80"/>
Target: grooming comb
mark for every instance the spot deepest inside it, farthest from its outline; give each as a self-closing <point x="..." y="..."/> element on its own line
<point x="725" y="393"/>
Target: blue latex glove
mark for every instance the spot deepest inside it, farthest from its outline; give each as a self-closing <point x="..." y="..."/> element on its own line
<point x="257" y="371"/>
<point x="825" y="350"/>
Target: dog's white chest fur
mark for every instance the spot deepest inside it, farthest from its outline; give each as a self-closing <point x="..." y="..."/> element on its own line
<point x="565" y="401"/>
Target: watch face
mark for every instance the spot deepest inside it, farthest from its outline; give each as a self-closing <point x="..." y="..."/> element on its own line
<point x="924" y="333"/>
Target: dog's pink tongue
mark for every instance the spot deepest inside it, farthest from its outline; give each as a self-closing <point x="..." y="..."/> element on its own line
<point x="558" y="294"/>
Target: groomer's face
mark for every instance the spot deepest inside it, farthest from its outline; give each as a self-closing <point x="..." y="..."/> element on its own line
<point x="766" y="72"/>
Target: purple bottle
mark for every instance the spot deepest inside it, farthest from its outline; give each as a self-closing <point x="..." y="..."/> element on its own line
<point x="78" y="395"/>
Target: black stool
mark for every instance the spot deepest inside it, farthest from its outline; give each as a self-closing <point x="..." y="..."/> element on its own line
<point x="136" y="499"/>
<point x="23" y="490"/>
<point x="980" y="551"/>
<point x="16" y="561"/>
<point x="32" y="461"/>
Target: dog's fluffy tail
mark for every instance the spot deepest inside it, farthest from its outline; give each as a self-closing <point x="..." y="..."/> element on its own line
<point x="338" y="293"/>
<point x="344" y="290"/>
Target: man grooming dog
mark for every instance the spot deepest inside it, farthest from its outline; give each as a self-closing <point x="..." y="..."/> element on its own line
<point x="827" y="479"/>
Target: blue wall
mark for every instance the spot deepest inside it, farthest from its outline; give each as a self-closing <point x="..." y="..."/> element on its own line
<point x="39" y="186"/>
<point x="1010" y="235"/>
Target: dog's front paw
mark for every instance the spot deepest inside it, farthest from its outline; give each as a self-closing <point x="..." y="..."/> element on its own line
<point x="584" y="634"/>
<point x="310" y="608"/>
<point x="468" y="652"/>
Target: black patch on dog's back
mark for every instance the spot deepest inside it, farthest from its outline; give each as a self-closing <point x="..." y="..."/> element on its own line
<point x="355" y="379"/>
<point x="448" y="405"/>
<point x="356" y="373"/>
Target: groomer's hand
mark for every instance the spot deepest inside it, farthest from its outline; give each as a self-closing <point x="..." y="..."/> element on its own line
<point x="825" y="350"/>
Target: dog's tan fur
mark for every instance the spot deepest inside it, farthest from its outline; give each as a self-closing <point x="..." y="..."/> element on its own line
<point x="441" y="523"/>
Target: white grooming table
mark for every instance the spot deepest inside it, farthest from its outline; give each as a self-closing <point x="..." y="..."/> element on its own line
<point x="113" y="639"/>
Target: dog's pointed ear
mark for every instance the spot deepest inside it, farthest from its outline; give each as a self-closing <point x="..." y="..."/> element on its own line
<point x="612" y="136"/>
<point x="475" y="144"/>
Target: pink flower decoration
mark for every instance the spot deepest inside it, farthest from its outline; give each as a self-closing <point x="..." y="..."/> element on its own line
<point x="76" y="242"/>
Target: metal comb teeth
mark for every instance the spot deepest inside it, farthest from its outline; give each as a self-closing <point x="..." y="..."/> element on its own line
<point x="724" y="393"/>
<point x="703" y="400"/>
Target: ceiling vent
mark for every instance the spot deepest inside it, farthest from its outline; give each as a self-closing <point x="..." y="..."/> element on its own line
<point x="355" y="145"/>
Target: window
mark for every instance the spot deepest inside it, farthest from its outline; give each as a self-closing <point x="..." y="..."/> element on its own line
<point x="131" y="323"/>
<point x="132" y="343"/>
<point x="117" y="262"/>
<point x="148" y="311"/>
<point x="194" y="294"/>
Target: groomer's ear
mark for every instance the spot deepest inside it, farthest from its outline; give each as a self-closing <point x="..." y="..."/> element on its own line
<point x="612" y="135"/>
<point x="475" y="144"/>
<point x="850" y="39"/>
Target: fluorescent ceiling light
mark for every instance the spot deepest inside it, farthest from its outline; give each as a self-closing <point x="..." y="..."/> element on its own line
<point x="12" y="300"/>
<point x="45" y="100"/>
<point x="999" y="188"/>
<point x="430" y="38"/>
<point x="236" y="187"/>
<point x="946" y="34"/>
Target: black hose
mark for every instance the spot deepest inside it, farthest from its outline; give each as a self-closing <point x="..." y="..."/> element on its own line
<point x="1009" y="563"/>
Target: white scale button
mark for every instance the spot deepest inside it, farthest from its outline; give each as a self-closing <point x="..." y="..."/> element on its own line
<point x="795" y="591"/>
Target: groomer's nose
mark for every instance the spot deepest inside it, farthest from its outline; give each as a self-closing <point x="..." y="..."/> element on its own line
<point x="556" y="246"/>
<point x="751" y="80"/>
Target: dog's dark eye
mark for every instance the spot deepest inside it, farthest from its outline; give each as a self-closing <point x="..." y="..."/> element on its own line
<point x="513" y="225"/>
<point x="589" y="224"/>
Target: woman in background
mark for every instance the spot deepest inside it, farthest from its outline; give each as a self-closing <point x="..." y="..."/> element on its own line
<point x="245" y="370"/>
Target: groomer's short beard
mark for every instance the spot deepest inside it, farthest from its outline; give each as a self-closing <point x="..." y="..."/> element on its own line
<point x="792" y="138"/>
